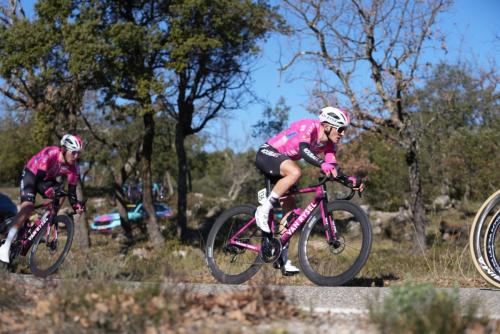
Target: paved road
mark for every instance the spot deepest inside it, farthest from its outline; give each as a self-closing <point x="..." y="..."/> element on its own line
<point x="347" y="300"/>
<point x="353" y="299"/>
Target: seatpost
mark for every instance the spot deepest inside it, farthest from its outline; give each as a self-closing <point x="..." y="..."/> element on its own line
<point x="268" y="186"/>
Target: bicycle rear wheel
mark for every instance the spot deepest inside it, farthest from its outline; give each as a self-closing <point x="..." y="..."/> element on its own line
<point x="478" y="238"/>
<point x="232" y="264"/>
<point x="47" y="252"/>
<point x="332" y="265"/>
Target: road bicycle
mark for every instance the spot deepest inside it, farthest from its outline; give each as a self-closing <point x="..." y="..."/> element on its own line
<point x="334" y="243"/>
<point x="49" y="238"/>
<point x="484" y="240"/>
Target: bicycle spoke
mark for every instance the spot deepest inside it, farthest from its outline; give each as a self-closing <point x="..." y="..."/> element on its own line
<point x="482" y="240"/>
<point x="233" y="259"/>
<point x="337" y="262"/>
<point x="50" y="248"/>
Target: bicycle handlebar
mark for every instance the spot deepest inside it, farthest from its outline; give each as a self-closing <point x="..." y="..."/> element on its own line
<point x="59" y="194"/>
<point x="327" y="178"/>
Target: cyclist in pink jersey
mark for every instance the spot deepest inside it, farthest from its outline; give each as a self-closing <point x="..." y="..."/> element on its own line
<point x="304" y="139"/>
<point x="39" y="176"/>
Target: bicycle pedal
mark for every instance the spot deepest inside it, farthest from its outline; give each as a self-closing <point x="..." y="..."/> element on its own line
<point x="288" y="273"/>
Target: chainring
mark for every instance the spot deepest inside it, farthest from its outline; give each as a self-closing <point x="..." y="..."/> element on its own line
<point x="270" y="250"/>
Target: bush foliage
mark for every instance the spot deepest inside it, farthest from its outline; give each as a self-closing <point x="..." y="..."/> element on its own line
<point x="421" y="308"/>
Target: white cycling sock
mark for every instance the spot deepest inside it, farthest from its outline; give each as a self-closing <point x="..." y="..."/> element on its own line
<point x="12" y="234"/>
<point x="268" y="204"/>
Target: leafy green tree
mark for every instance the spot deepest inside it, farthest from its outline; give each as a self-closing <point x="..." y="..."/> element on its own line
<point x="459" y="113"/>
<point x="382" y="163"/>
<point x="210" y="44"/>
<point x="120" y="45"/>
<point x="35" y="68"/>
<point x="15" y="149"/>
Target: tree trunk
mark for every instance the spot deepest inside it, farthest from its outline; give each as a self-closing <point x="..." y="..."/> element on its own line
<point x="181" y="182"/>
<point x="81" y="227"/>
<point x="122" y="211"/>
<point x="154" y="233"/>
<point x="416" y="202"/>
<point x="167" y="179"/>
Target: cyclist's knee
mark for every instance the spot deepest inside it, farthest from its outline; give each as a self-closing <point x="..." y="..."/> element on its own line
<point x="24" y="213"/>
<point x="26" y="209"/>
<point x="290" y="170"/>
<point x="295" y="172"/>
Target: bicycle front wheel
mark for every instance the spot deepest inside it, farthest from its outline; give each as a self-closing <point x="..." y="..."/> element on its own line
<point x="337" y="263"/>
<point x="228" y="262"/>
<point x="482" y="239"/>
<point x="50" y="249"/>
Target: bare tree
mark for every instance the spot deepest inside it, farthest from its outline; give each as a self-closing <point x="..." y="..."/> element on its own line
<point x="236" y="168"/>
<point x="369" y="55"/>
<point x="127" y="160"/>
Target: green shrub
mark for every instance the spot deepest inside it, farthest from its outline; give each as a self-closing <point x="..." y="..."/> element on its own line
<point x="421" y="308"/>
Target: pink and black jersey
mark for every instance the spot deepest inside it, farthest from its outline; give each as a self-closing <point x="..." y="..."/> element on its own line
<point x="307" y="131"/>
<point x="47" y="160"/>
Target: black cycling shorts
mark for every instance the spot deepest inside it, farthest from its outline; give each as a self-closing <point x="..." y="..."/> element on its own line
<point x="269" y="160"/>
<point x="30" y="186"/>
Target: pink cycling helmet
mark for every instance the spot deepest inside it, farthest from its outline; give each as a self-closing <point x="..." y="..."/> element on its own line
<point x="72" y="143"/>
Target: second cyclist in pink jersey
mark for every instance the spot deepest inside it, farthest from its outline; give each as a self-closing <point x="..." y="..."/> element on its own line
<point x="304" y="139"/>
<point x="39" y="176"/>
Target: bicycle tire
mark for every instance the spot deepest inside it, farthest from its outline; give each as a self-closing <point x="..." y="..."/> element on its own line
<point x="217" y="250"/>
<point x="37" y="254"/>
<point x="479" y="258"/>
<point x="315" y="269"/>
<point x="489" y="242"/>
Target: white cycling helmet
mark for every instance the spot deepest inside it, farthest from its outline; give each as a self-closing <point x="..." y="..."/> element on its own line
<point x="334" y="116"/>
<point x="72" y="143"/>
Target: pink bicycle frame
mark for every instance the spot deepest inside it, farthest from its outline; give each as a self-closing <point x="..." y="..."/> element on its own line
<point x="38" y="225"/>
<point x="319" y="199"/>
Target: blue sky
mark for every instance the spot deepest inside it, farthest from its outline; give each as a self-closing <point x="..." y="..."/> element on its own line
<point x="472" y="30"/>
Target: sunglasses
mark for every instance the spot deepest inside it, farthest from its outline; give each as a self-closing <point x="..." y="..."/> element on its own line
<point x="341" y="129"/>
<point x="75" y="153"/>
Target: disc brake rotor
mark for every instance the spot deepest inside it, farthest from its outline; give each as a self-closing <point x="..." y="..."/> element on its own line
<point x="338" y="245"/>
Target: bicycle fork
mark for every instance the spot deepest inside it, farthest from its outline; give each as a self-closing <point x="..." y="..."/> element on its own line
<point x="329" y="224"/>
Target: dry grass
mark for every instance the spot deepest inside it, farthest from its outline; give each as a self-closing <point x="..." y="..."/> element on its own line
<point x="445" y="263"/>
<point x="100" y="306"/>
<point x="11" y="298"/>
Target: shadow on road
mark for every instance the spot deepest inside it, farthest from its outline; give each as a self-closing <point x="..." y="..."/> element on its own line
<point x="372" y="281"/>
